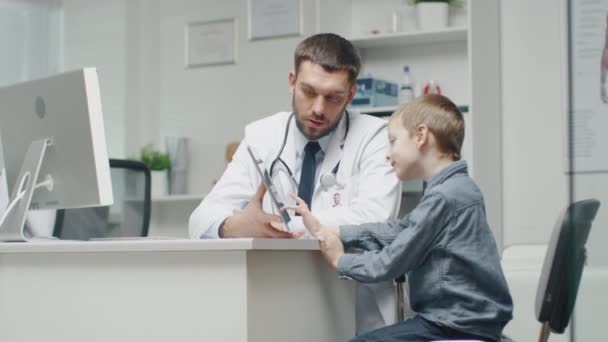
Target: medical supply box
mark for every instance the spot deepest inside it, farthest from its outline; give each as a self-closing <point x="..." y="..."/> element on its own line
<point x="373" y="92"/>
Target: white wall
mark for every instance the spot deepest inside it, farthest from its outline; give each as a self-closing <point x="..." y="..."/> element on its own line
<point x="30" y="45"/>
<point x="149" y="94"/>
<point x="595" y="186"/>
<point x="585" y="94"/>
<point x="29" y="39"/>
<point x="536" y="188"/>
<point x="534" y="131"/>
<point x="95" y="35"/>
<point x="142" y="74"/>
<point x="211" y="105"/>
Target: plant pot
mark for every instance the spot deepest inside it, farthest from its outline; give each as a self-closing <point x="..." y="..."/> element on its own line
<point x="432" y="15"/>
<point x="159" y="183"/>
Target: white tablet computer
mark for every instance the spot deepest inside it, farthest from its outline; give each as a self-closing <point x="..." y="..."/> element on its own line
<point x="277" y="199"/>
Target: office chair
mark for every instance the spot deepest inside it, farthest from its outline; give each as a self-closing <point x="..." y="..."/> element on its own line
<point x="563" y="267"/>
<point x="129" y="216"/>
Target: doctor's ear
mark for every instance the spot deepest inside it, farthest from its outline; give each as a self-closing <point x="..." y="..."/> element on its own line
<point x="352" y="92"/>
<point x="292" y="81"/>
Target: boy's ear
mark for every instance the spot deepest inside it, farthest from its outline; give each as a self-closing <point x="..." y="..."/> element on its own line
<point x="422" y="135"/>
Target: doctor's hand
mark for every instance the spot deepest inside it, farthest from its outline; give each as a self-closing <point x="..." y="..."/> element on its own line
<point x="252" y="221"/>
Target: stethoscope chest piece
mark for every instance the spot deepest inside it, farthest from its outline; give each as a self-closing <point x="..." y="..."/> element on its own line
<point x="329" y="180"/>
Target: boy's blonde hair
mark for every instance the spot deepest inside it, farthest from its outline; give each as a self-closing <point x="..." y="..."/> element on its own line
<point x="441" y="116"/>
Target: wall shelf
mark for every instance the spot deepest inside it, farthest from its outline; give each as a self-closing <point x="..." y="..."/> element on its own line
<point x="388" y="110"/>
<point x="452" y="34"/>
<point x="375" y="110"/>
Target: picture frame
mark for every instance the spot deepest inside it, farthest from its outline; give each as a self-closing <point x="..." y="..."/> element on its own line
<point x="274" y="18"/>
<point x="209" y="43"/>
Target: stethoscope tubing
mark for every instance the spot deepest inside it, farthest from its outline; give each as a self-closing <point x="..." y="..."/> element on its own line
<point x="278" y="158"/>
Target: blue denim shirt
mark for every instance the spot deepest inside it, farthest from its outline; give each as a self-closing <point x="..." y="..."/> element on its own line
<point x="446" y="248"/>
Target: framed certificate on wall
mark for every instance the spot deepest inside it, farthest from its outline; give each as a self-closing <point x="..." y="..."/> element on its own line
<point x="210" y="43"/>
<point x="274" y="18"/>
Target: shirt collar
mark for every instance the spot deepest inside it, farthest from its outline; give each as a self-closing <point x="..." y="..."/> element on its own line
<point x="459" y="166"/>
<point x="300" y="140"/>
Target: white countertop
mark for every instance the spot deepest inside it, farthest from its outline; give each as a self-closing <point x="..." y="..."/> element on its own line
<point x="152" y="245"/>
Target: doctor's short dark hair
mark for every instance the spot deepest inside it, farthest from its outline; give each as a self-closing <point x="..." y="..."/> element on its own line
<point x="330" y="51"/>
<point x="441" y="116"/>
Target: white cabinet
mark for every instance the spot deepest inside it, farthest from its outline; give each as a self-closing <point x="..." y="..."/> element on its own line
<point x="463" y="59"/>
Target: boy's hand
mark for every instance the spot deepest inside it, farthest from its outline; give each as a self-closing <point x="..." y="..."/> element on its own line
<point x="329" y="240"/>
<point x="331" y="248"/>
<point x="311" y="223"/>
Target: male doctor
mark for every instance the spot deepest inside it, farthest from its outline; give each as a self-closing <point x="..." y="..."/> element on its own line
<point x="318" y="150"/>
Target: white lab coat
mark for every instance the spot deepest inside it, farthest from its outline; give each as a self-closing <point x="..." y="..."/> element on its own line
<point x="371" y="191"/>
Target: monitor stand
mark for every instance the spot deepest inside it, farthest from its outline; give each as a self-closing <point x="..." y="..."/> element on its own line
<point x="13" y="222"/>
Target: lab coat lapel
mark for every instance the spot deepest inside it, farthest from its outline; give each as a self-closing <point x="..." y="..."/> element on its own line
<point x="288" y="156"/>
<point x="333" y="154"/>
<point x="289" y="152"/>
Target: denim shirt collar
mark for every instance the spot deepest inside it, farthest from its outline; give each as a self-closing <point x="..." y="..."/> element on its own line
<point x="459" y="166"/>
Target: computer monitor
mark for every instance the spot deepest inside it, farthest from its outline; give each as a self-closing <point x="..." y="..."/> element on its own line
<point x="52" y="134"/>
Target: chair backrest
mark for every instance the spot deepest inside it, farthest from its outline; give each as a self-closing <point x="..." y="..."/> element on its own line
<point x="563" y="265"/>
<point x="129" y="216"/>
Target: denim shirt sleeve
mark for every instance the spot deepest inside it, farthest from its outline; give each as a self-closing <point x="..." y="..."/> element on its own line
<point x="370" y="236"/>
<point x="418" y="231"/>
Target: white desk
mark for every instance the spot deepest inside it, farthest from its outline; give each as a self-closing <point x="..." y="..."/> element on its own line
<point x="172" y="290"/>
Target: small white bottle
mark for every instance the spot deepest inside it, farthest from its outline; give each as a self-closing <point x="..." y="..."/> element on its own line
<point x="406" y="87"/>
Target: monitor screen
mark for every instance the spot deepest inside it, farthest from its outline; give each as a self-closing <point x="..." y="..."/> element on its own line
<point x="65" y="111"/>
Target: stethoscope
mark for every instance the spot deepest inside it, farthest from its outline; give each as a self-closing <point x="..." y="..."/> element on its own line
<point x="327" y="180"/>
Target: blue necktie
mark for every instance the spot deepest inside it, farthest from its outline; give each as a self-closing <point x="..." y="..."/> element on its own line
<point x="309" y="167"/>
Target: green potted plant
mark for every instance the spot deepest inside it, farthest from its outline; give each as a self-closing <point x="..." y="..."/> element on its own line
<point x="433" y="14"/>
<point x="159" y="164"/>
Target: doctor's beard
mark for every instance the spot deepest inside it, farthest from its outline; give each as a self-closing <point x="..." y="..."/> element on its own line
<point x="323" y="133"/>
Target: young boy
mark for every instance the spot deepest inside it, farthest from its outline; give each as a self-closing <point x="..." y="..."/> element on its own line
<point x="444" y="245"/>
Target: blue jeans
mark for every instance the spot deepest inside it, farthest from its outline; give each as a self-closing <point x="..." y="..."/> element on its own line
<point x="413" y="330"/>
